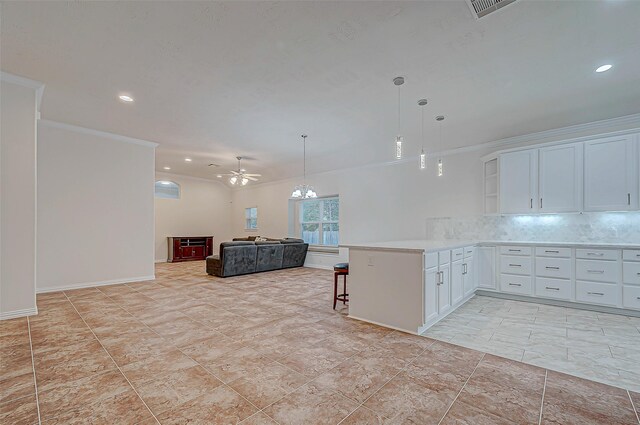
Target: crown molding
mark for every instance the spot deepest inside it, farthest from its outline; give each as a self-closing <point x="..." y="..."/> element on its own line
<point x="626" y="124"/>
<point x="92" y="132"/>
<point x="25" y="82"/>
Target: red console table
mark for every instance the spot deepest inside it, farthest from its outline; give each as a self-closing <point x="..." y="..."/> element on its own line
<point x="189" y="248"/>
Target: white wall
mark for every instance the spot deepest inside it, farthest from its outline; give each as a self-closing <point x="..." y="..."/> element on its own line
<point x="204" y="208"/>
<point x="17" y="199"/>
<point x="95" y="208"/>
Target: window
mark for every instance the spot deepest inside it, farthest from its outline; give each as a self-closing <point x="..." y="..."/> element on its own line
<point x="251" y="218"/>
<point x="319" y="221"/>
<point x="167" y="190"/>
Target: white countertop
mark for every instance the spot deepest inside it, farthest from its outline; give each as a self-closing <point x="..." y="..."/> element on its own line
<point x="438" y="245"/>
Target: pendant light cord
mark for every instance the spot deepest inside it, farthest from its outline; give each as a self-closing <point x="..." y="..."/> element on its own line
<point x="422" y="128"/>
<point x="398" y="110"/>
<point x="304" y="159"/>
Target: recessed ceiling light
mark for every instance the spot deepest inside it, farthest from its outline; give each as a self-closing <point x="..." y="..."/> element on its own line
<point x="167" y="168"/>
<point x="125" y="98"/>
<point x="604" y="68"/>
<point x="188" y="160"/>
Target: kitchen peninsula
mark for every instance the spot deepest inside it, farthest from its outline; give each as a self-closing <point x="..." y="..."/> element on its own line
<point x="411" y="285"/>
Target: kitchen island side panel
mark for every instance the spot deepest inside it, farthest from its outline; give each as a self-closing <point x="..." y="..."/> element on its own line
<point x="386" y="287"/>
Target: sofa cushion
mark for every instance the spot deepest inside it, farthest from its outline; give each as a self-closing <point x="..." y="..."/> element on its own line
<point x="238" y="259"/>
<point x="235" y="243"/>
<point x="294" y="254"/>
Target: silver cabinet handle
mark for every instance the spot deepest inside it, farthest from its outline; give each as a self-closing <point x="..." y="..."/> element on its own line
<point x="552" y="268"/>
<point x="515" y="284"/>
<point x="595" y="271"/>
<point x="540" y="203"/>
<point x="515" y="250"/>
<point x="551" y="287"/>
<point x="551" y="252"/>
<point x="628" y="199"/>
<point x="531" y="204"/>
<point x="464" y="268"/>
<point x="515" y="265"/>
<point x="595" y="254"/>
<point x="440" y="278"/>
<point x="595" y="293"/>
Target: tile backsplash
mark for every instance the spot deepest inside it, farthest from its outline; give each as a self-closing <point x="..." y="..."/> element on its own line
<point x="610" y="227"/>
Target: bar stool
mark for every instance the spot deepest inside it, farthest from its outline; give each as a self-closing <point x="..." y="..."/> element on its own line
<point x="340" y="269"/>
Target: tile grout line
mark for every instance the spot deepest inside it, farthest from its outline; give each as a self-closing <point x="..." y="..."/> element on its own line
<point x="462" y="389"/>
<point x="409" y="363"/>
<point x="33" y="367"/>
<point x="633" y="406"/>
<point x="177" y="348"/>
<point x="544" y="390"/>
<point x="112" y="359"/>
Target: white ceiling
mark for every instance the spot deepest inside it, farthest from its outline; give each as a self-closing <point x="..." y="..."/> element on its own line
<point x="216" y="80"/>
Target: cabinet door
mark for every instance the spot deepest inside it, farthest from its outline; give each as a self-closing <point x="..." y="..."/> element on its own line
<point x="444" y="289"/>
<point x="610" y="174"/>
<point x="485" y="257"/>
<point x="469" y="277"/>
<point x="457" y="275"/>
<point x="560" y="178"/>
<point x="518" y="182"/>
<point x="430" y="294"/>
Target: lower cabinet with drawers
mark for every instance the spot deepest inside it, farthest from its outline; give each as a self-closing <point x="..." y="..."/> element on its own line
<point x="598" y="276"/>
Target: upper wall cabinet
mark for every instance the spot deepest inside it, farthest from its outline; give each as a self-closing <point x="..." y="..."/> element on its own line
<point x="560" y="178"/>
<point x="611" y="174"/>
<point x="518" y="182"/>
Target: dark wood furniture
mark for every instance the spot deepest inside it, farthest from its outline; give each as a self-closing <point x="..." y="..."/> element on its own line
<point x="189" y="248"/>
<point x="340" y="269"/>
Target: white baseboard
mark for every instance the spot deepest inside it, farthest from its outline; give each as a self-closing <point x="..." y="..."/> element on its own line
<point x="161" y="261"/>
<point x="94" y="284"/>
<point x="18" y="313"/>
<point x="382" y="324"/>
<point x="318" y="266"/>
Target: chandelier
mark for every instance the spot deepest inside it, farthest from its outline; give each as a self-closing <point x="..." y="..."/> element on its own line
<point x="304" y="191"/>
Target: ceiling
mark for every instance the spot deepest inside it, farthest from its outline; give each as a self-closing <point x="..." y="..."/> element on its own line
<point x="213" y="80"/>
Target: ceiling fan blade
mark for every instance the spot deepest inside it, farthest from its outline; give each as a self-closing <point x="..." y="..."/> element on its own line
<point x="254" y="175"/>
<point x="253" y="179"/>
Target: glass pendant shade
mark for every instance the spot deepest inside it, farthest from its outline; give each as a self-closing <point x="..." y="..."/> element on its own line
<point x="233" y="180"/>
<point x="423" y="160"/>
<point x="244" y="181"/>
<point x="399" y="140"/>
<point x="303" y="191"/>
<point x="440" y="170"/>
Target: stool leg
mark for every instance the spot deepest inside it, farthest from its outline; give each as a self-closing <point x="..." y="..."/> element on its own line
<point x="335" y="289"/>
<point x="344" y="291"/>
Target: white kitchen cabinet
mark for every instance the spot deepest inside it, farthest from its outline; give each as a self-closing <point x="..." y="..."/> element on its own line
<point x="431" y="279"/>
<point x="518" y="182"/>
<point x="457" y="281"/>
<point x="560" y="178"/>
<point x="611" y="174"/>
<point x="469" y="281"/>
<point x="444" y="289"/>
<point x="485" y="267"/>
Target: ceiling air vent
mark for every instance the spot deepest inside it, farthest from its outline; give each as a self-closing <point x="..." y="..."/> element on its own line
<point x="481" y="8"/>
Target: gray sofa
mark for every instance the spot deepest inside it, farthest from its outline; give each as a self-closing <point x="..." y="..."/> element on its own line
<point x="243" y="256"/>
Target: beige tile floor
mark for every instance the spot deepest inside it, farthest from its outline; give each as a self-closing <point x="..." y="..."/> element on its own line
<point x="598" y="346"/>
<point x="263" y="349"/>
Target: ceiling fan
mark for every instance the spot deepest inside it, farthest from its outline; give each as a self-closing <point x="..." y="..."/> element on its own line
<point x="240" y="176"/>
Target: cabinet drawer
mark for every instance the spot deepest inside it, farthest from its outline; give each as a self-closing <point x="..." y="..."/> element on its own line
<point x="515" y="265"/>
<point x="631" y="297"/>
<point x="515" y="250"/>
<point x="597" y="293"/>
<point x="515" y="284"/>
<point x="470" y="250"/>
<point x="457" y="254"/>
<point x="631" y="273"/>
<point x="631" y="255"/>
<point x="444" y="257"/>
<point x="598" y="254"/>
<point x="431" y="260"/>
<point x="599" y="271"/>
<point x="548" y="251"/>
<point x="553" y="267"/>
<point x="553" y="288"/>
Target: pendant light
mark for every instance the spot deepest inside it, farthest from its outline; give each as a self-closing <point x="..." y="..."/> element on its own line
<point x="440" y="118"/>
<point x="304" y="191"/>
<point x="423" y="156"/>
<point x="398" y="81"/>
